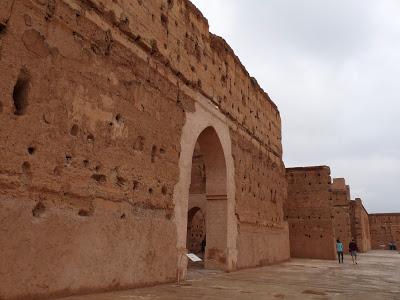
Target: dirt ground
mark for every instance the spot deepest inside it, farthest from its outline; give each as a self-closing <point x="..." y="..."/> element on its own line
<point x="376" y="276"/>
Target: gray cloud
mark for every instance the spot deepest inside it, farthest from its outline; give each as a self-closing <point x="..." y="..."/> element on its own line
<point x="333" y="69"/>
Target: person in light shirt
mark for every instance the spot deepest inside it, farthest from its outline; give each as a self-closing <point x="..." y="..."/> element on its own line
<point x="339" y="250"/>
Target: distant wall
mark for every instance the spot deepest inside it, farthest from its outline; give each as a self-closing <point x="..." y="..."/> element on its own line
<point x="320" y="211"/>
<point x="309" y="212"/>
<point x="385" y="228"/>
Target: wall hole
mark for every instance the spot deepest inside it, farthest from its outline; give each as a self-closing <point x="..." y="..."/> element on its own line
<point x="74" y="130"/>
<point x="135" y="185"/>
<point x="120" y="181"/>
<point x="68" y="159"/>
<point x="90" y="138"/>
<point x="86" y="163"/>
<point x="100" y="178"/>
<point x="38" y="210"/>
<point x="31" y="150"/>
<point x="164" y="190"/>
<point x="20" y="92"/>
<point x="84" y="213"/>
<point x="164" y="21"/>
<point x="3" y="28"/>
<point x="118" y="118"/>
<point x="153" y="153"/>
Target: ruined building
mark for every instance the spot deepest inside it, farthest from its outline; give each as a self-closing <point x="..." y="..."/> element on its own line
<point x="105" y="109"/>
<point x="319" y="211"/>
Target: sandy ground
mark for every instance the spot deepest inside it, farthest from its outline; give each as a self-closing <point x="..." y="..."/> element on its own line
<point x="376" y="276"/>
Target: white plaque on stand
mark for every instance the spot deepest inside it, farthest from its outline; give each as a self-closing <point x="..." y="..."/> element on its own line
<point x="193" y="257"/>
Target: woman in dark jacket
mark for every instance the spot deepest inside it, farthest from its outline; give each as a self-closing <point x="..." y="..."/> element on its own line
<point x="353" y="249"/>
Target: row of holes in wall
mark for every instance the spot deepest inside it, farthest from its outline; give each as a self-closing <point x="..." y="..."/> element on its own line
<point x="99" y="178"/>
<point x="39" y="209"/>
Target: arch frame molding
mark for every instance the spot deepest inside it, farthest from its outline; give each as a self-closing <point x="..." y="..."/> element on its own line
<point x="205" y="115"/>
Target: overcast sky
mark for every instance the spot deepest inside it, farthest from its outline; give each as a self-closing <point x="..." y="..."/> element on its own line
<point x="333" y="69"/>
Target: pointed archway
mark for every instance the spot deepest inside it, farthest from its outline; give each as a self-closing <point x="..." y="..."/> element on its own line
<point x="207" y="127"/>
<point x="208" y="191"/>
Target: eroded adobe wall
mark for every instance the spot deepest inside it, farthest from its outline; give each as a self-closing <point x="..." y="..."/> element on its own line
<point x="90" y="139"/>
<point x="384" y="228"/>
<point x="178" y="35"/>
<point x="206" y="63"/>
<point x="360" y="225"/>
<point x="341" y="211"/>
<point x="91" y="112"/>
<point x="260" y="193"/>
<point x="309" y="212"/>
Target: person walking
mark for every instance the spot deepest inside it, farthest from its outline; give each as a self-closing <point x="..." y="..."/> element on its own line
<point x="339" y="250"/>
<point x="353" y="249"/>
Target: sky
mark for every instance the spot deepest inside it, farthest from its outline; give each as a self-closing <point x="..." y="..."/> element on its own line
<point x="333" y="69"/>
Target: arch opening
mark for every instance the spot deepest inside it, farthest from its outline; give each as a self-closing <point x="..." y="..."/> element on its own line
<point x="207" y="206"/>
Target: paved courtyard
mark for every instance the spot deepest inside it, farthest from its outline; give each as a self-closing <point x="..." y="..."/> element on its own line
<point x="377" y="276"/>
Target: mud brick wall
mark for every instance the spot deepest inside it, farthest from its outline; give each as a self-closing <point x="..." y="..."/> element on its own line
<point x="343" y="218"/>
<point x="341" y="211"/>
<point x="93" y="99"/>
<point x="260" y="193"/>
<point x="90" y="139"/>
<point x="385" y="228"/>
<point x="309" y="212"/>
<point x="360" y="225"/>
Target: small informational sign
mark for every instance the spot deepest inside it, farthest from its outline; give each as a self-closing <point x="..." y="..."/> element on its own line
<point x="193" y="257"/>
